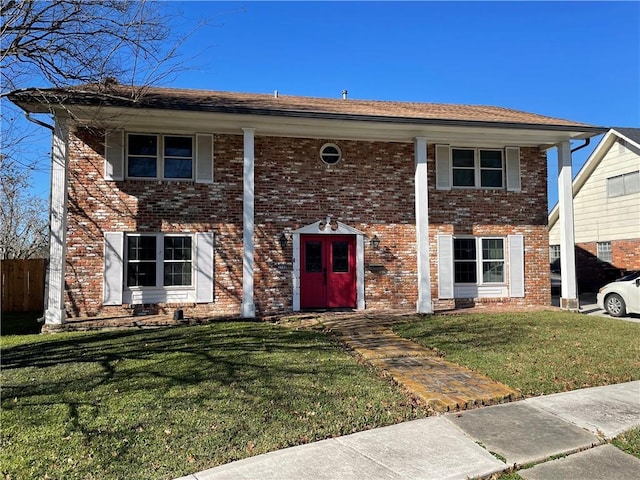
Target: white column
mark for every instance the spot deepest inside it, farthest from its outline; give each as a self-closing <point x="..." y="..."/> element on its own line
<point x="248" y="226"/>
<point x="54" y="306"/>
<point x="296" y="272"/>
<point x="569" y="291"/>
<point x="422" y="225"/>
<point x="360" y="302"/>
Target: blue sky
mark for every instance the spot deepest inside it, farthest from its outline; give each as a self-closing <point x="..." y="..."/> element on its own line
<point x="573" y="60"/>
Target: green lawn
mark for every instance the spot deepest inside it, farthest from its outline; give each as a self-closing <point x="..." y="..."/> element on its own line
<point x="165" y="403"/>
<point x="629" y="442"/>
<point x="536" y="352"/>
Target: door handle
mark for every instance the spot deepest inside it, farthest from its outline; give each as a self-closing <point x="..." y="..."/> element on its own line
<point x="324" y="275"/>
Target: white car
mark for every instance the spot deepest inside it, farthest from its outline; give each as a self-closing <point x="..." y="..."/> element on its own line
<point x="621" y="297"/>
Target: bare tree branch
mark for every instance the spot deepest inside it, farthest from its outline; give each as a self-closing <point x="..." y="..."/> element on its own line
<point x="62" y="43"/>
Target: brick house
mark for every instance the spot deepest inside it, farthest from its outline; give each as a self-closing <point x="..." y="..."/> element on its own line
<point x="250" y="205"/>
<point x="606" y="198"/>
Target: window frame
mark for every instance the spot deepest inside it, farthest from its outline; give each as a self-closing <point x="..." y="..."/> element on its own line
<point x="480" y="260"/>
<point x="554" y="254"/>
<point x="139" y="261"/>
<point x="159" y="261"/>
<point x="624" y="183"/>
<point x="604" y="252"/>
<point x="478" y="169"/>
<point x="324" y="155"/>
<point x="161" y="156"/>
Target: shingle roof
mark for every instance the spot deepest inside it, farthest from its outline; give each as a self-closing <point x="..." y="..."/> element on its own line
<point x="265" y="104"/>
<point x="631" y="133"/>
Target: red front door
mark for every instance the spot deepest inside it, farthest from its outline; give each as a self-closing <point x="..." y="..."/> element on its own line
<point x="328" y="271"/>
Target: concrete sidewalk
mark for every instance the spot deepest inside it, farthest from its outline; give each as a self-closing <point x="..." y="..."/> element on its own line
<point x="471" y="444"/>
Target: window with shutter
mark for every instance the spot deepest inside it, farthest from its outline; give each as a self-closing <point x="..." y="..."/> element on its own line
<point x="113" y="268"/>
<point x="204" y="158"/>
<point x="443" y="167"/>
<point x="114" y="156"/>
<point x="489" y="168"/>
<point x="516" y="266"/>
<point x="204" y="267"/>
<point x="445" y="266"/>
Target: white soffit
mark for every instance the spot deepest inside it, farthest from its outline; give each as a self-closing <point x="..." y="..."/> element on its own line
<point x="175" y="121"/>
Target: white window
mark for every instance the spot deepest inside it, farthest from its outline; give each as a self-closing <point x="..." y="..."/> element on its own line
<point x="157" y="260"/>
<point x="475" y="167"/>
<point x="554" y="254"/>
<point x="604" y="251"/>
<point x="158" y="268"/>
<point x="478" y="260"/>
<point x="624" y="184"/>
<point x="159" y="156"/>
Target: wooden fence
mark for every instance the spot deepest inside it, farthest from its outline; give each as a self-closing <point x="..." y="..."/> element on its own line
<point x="22" y="285"/>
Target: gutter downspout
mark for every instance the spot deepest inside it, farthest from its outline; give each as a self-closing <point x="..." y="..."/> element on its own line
<point x="46" y="280"/>
<point x="586" y="143"/>
<point x="38" y="122"/>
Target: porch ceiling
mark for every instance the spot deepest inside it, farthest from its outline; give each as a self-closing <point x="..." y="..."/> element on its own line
<point x="336" y="127"/>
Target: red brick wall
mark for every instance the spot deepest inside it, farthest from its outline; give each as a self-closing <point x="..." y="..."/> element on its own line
<point x="96" y="206"/>
<point x="371" y="189"/>
<point x="593" y="273"/>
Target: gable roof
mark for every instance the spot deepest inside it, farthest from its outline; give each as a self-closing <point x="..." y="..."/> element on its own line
<point x="36" y="100"/>
<point x="631" y="135"/>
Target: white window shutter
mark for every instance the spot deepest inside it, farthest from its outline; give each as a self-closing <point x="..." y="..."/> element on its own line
<point x="113" y="268"/>
<point x="445" y="266"/>
<point x="513" y="168"/>
<point x="443" y="167"/>
<point x="114" y="155"/>
<point x="204" y="158"/>
<point x="204" y="267"/>
<point x="516" y="266"/>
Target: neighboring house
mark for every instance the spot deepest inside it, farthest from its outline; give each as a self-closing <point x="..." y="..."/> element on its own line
<point x="250" y="205"/>
<point x="606" y="199"/>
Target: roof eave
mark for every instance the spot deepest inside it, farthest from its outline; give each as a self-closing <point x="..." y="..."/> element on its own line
<point x="587" y="169"/>
<point x="47" y="102"/>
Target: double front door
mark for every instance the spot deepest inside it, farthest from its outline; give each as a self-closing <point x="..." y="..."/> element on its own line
<point x="328" y="271"/>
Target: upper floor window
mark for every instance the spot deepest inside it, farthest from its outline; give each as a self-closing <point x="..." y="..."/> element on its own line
<point x="624" y="184"/>
<point x="475" y="167"/>
<point x="159" y="156"/>
<point x="330" y="153"/>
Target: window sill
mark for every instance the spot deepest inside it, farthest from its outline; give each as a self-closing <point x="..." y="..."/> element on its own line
<point x="144" y="295"/>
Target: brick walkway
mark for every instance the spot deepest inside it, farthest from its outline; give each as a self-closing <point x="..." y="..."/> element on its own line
<point x="441" y="385"/>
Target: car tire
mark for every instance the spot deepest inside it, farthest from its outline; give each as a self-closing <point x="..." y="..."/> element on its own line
<point x="615" y="306"/>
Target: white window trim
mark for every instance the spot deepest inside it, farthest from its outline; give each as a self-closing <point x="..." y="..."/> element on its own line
<point x="478" y="168"/>
<point x="160" y="158"/>
<point x="604" y="249"/>
<point x="159" y="262"/>
<point x="479" y="260"/>
<point x="622" y="178"/>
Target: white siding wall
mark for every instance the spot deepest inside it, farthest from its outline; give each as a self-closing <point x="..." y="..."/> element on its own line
<point x="597" y="217"/>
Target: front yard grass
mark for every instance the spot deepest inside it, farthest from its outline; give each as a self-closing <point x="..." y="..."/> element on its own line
<point x="629" y="442"/>
<point x="158" y="404"/>
<point x="535" y="352"/>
